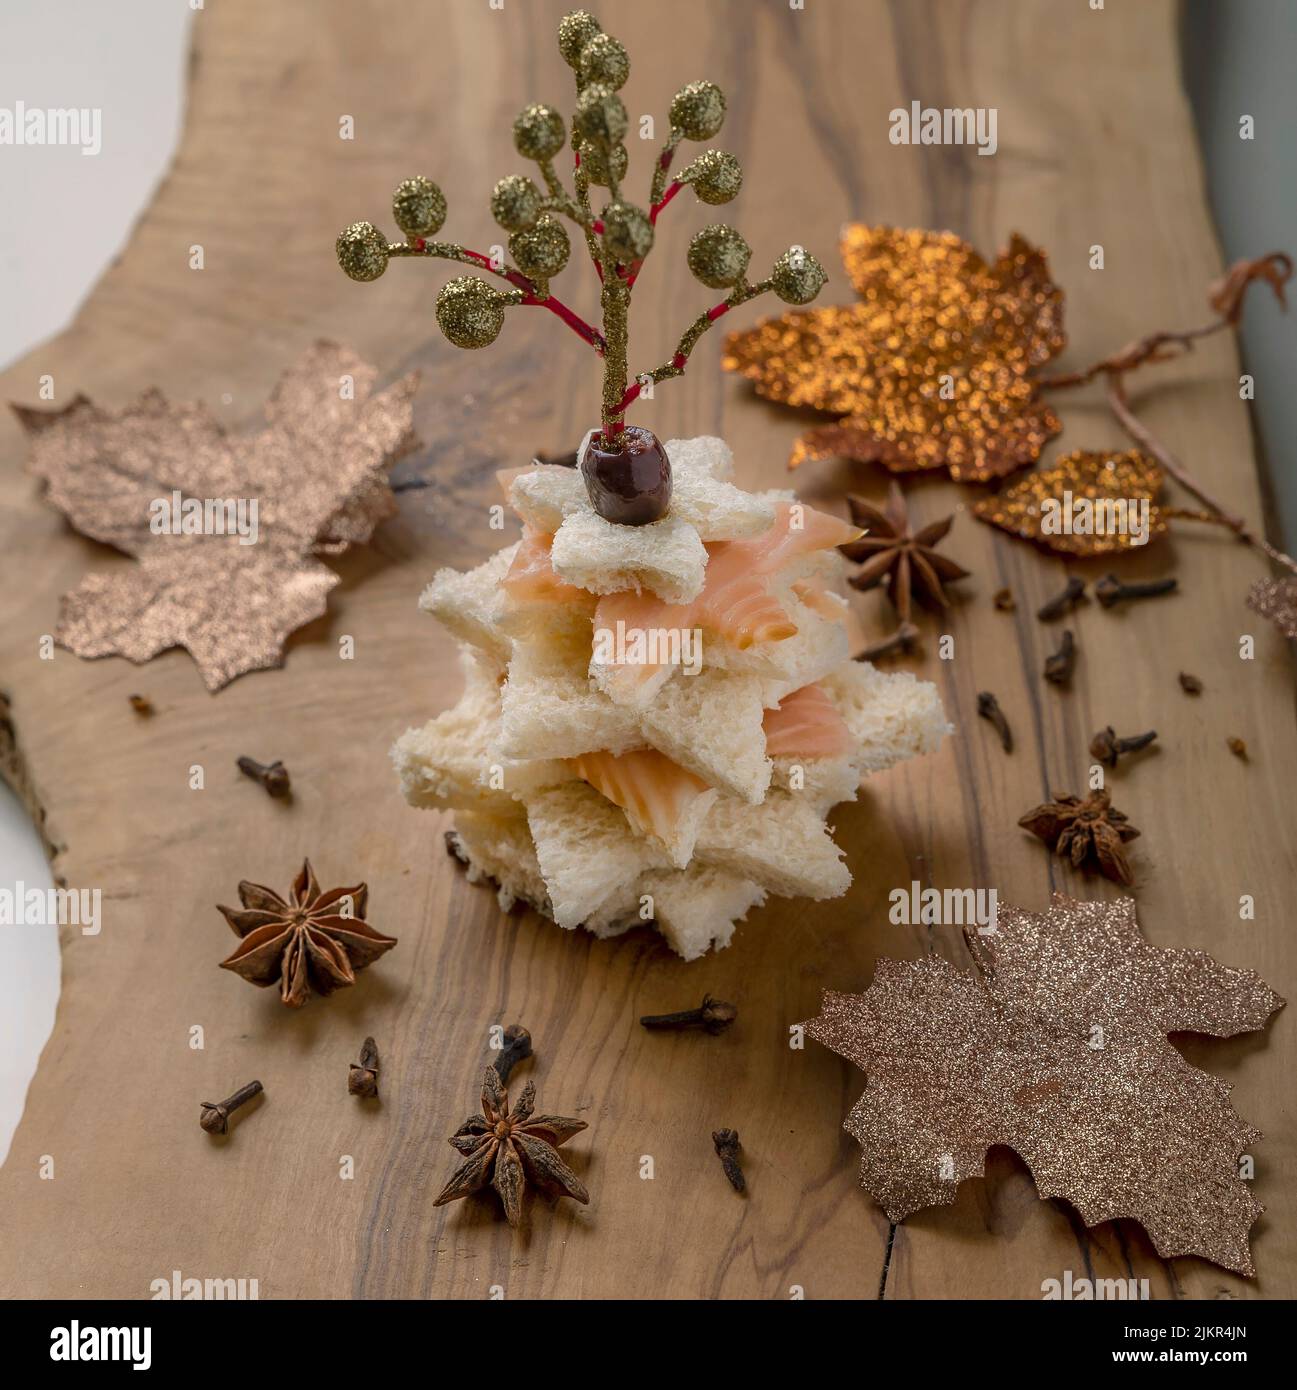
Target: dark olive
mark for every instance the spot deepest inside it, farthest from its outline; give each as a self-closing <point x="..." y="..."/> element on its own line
<point x="629" y="482"/>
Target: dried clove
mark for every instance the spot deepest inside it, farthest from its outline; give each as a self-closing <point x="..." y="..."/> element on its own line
<point x="1191" y="685"/>
<point x="1003" y="600"/>
<point x="272" y="776"/>
<point x="1072" y="594"/>
<point x="215" y="1118"/>
<point x="1060" y="664"/>
<point x="1237" y="746"/>
<point x="727" y="1149"/>
<point x="989" y="709"/>
<point x="1106" y="747"/>
<point x="712" y="1016"/>
<point x="141" y="704"/>
<point x="903" y="639"/>
<point x="362" y="1079"/>
<point x="1111" y="590"/>
<point x="517" y="1046"/>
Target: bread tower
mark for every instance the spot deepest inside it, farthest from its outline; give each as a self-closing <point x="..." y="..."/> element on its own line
<point x="659" y="704"/>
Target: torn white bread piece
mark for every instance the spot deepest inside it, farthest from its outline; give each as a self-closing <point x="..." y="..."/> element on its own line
<point x="704" y="454"/>
<point x="696" y="909"/>
<point x="817" y="647"/>
<point x="822" y="783"/>
<point x="665" y="557"/>
<point x="589" y="856"/>
<point x="453" y="761"/>
<point x="548" y="496"/>
<point x="500" y="848"/>
<point x="661" y="801"/>
<point x="542" y="622"/>
<point x="718" y="511"/>
<point x="711" y="725"/>
<point x="550" y="709"/>
<point x="781" y="844"/>
<point x="633" y="687"/>
<point x="614" y="920"/>
<point x="538" y="604"/>
<point x="891" y="715"/>
<point x="471" y="604"/>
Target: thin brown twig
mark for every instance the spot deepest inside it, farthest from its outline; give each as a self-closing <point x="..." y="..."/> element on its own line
<point x="1151" y="348"/>
<point x="1145" y="437"/>
<point x="1226" y="297"/>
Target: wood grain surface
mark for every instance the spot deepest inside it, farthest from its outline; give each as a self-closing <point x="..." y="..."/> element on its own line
<point x="1095" y="146"/>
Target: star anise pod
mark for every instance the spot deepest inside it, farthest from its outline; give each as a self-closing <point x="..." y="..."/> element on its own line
<point x="908" y="560"/>
<point x="315" y="940"/>
<point x="506" y="1148"/>
<point x="1084" y="830"/>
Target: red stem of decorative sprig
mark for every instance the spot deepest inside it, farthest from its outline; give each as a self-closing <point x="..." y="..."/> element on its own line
<point x="551" y="302"/>
<point x="574" y="321"/>
<point x="673" y="188"/>
<point x="515" y="277"/>
<point x="633" y="392"/>
<point x="678" y="362"/>
<point x="633" y="273"/>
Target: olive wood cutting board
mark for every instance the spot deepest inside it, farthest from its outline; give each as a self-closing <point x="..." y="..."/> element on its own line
<point x="1096" y="145"/>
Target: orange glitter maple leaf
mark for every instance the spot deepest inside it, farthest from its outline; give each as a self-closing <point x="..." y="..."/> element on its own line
<point x="932" y="369"/>
<point x="1104" y="486"/>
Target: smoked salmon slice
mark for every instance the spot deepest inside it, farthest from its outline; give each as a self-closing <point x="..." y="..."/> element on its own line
<point x="530" y="577"/>
<point x="660" y="798"/>
<point x="820" y="600"/>
<point x="736" y="603"/>
<point x="806" y="724"/>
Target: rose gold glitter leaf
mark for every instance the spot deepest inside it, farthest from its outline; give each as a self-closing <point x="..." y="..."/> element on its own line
<point x="317" y="472"/>
<point x="231" y="612"/>
<point x="1100" y="478"/>
<point x="1060" y="1053"/>
<point x="932" y="369"/>
<point x="1276" y="599"/>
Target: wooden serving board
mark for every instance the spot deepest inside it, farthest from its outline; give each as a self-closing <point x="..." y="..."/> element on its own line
<point x="1095" y="146"/>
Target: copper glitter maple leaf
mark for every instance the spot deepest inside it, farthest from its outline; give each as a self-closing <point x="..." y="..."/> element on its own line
<point x="311" y="940"/>
<point x="1090" y="487"/>
<point x="507" y="1148"/>
<point x="318" y="475"/>
<point x="1276" y="599"/>
<point x="1060" y="1053"/>
<point x="932" y="369"/>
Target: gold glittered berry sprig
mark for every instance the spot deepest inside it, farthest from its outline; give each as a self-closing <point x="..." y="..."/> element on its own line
<point x="470" y="311"/>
